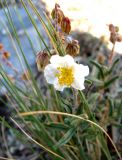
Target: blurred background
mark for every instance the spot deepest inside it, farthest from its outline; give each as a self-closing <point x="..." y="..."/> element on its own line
<point x="91" y="16"/>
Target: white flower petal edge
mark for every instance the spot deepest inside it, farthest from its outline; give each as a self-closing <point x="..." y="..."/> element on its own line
<point x="49" y="73"/>
<point x="81" y="70"/>
<point x="57" y="86"/>
<point x="62" y="61"/>
<point x="78" y="84"/>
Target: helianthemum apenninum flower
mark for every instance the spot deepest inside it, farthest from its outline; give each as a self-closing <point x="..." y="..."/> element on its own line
<point x="64" y="72"/>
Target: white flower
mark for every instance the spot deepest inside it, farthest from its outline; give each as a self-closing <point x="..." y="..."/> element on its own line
<point x="64" y="72"/>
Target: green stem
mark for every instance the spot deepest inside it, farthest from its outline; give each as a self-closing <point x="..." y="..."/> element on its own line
<point x="86" y="105"/>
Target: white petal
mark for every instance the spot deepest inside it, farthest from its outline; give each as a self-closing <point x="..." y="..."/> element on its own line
<point x="50" y="73"/>
<point x="56" y="59"/>
<point x="57" y="86"/>
<point x="65" y="61"/>
<point x="78" y="84"/>
<point x="81" y="70"/>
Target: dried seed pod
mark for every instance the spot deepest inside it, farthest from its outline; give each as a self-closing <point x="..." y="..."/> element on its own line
<point x="119" y="38"/>
<point x="116" y="29"/>
<point x="113" y="38"/>
<point x="6" y="55"/>
<point x="42" y="60"/>
<point x="1" y="46"/>
<point x="101" y="58"/>
<point x="57" y="14"/>
<point x="111" y="28"/>
<point x="114" y="35"/>
<point x="66" y="25"/>
<point x="73" y="48"/>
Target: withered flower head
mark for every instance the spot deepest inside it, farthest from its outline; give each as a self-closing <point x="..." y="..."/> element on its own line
<point x="101" y="58"/>
<point x="57" y="13"/>
<point x="42" y="60"/>
<point x="1" y="46"/>
<point x="114" y="35"/>
<point x="66" y="25"/>
<point x="73" y="48"/>
<point x="111" y="28"/>
<point x="6" y="55"/>
<point x="119" y="38"/>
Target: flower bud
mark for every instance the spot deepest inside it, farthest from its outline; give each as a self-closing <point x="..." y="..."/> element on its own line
<point x="73" y="48"/>
<point x="42" y="60"/>
<point x="57" y="14"/>
<point x="66" y="25"/>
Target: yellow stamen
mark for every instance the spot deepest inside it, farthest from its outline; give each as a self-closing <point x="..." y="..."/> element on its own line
<point x="65" y="76"/>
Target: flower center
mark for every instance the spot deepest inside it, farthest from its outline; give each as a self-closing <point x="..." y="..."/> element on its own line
<point x="65" y="76"/>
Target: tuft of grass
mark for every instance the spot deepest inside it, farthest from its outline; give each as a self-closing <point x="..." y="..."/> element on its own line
<point x="65" y="133"/>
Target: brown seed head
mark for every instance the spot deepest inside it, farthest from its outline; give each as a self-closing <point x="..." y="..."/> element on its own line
<point x="119" y="38"/>
<point x="6" y="55"/>
<point x="116" y="29"/>
<point x="66" y="25"/>
<point x="1" y="46"/>
<point x="111" y="28"/>
<point x="42" y="60"/>
<point x="73" y="48"/>
<point x="57" y="14"/>
<point x="101" y="58"/>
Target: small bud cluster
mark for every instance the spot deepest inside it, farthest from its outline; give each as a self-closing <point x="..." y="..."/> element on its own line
<point x="71" y="46"/>
<point x="57" y="14"/>
<point x="63" y="28"/>
<point x="4" y="54"/>
<point x="114" y="35"/>
<point x="4" y="58"/>
<point x="64" y="22"/>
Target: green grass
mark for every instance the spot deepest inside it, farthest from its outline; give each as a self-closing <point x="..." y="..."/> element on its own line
<point x="49" y="120"/>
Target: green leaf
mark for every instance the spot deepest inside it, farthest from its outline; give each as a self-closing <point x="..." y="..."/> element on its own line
<point x="99" y="66"/>
<point x="113" y="65"/>
<point x="66" y="138"/>
<point x="88" y="81"/>
<point x="104" y="146"/>
<point x="93" y="98"/>
<point x="57" y="126"/>
<point x="111" y="109"/>
<point x="111" y="81"/>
